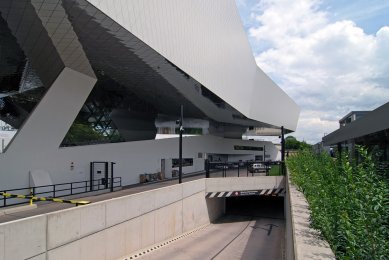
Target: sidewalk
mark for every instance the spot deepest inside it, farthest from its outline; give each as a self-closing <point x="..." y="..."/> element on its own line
<point x="47" y="207"/>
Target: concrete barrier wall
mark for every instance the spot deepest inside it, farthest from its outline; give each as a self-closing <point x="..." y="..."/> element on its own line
<point x="242" y="183"/>
<point x="302" y="242"/>
<point x="112" y="228"/>
<point x="289" y="236"/>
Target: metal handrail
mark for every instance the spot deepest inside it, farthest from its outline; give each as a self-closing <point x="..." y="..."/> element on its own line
<point x="53" y="191"/>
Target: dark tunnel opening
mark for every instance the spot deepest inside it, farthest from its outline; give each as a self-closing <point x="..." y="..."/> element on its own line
<point x="256" y="206"/>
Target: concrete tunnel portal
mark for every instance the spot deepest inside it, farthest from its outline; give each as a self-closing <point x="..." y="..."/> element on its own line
<point x="252" y="227"/>
<point x="255" y="206"/>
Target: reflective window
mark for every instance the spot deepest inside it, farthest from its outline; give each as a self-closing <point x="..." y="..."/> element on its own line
<point x="185" y="162"/>
<point x="111" y="114"/>
<point x="93" y="124"/>
<point x="247" y="148"/>
<point x="20" y="87"/>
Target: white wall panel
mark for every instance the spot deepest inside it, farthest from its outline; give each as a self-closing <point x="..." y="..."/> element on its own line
<point x="66" y="252"/>
<point x="67" y="240"/>
<point x="168" y="221"/>
<point x="94" y="246"/>
<point x="63" y="227"/>
<point x="132" y="159"/>
<point x="133" y="234"/>
<point x="23" y="238"/>
<point x="116" y="241"/>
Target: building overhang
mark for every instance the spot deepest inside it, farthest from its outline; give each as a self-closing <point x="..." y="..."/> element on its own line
<point x="375" y="121"/>
<point x="148" y="60"/>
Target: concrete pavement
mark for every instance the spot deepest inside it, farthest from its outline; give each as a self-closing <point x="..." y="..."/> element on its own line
<point x="231" y="237"/>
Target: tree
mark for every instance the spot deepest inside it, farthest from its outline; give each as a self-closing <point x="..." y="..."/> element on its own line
<point x="291" y="143"/>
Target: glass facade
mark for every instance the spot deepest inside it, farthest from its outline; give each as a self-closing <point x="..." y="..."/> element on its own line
<point x="93" y="124"/>
<point x="110" y="112"/>
<point x="20" y="87"/>
<point x="185" y="162"/>
<point x="247" y="148"/>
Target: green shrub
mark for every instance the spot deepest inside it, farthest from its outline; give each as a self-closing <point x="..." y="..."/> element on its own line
<point x="349" y="202"/>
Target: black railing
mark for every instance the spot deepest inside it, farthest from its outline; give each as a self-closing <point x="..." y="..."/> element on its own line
<point x="244" y="168"/>
<point x="59" y="190"/>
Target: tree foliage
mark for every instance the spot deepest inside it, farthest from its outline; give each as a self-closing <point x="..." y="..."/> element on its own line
<point x="349" y="202"/>
<point x="291" y="143"/>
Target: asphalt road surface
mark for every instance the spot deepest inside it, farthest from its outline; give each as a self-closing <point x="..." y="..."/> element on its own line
<point x="232" y="237"/>
<point x="252" y="229"/>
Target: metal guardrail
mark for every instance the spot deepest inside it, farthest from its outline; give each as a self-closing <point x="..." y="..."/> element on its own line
<point x="245" y="168"/>
<point x="58" y="190"/>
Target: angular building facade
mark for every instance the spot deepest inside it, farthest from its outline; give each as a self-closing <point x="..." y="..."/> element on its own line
<point x="96" y="80"/>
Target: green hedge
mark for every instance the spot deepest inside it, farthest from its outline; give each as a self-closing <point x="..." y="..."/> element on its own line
<point x="349" y="202"/>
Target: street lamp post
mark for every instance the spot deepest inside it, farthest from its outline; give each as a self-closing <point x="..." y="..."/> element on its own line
<point x="264" y="153"/>
<point x="282" y="144"/>
<point x="282" y="150"/>
<point x="180" y="145"/>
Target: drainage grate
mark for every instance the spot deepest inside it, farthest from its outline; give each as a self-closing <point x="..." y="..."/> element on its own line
<point x="161" y="245"/>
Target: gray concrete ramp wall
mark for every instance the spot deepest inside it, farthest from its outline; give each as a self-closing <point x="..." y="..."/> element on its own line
<point x="244" y="183"/>
<point x="112" y="228"/>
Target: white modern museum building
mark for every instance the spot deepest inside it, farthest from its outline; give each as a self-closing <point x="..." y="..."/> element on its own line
<point x="86" y="81"/>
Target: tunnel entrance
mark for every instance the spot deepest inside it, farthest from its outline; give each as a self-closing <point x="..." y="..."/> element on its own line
<point x="256" y="206"/>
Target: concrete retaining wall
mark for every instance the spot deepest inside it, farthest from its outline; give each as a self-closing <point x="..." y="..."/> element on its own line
<point x="112" y="228"/>
<point x="242" y="183"/>
<point x="302" y="242"/>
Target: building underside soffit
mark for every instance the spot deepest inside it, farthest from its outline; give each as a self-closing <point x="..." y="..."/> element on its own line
<point x="135" y="83"/>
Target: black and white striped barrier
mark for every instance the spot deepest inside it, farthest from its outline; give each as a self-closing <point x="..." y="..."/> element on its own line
<point x="264" y="192"/>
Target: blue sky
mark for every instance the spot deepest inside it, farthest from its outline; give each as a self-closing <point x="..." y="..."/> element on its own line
<point x="330" y="56"/>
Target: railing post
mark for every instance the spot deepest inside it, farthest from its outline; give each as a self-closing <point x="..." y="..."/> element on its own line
<point x="224" y="169"/>
<point x="112" y="164"/>
<point x="31" y="194"/>
<point x="247" y="168"/>
<point x="71" y="188"/>
<point x="54" y="191"/>
<point x="5" y="199"/>
<point x="207" y="168"/>
<point x="92" y="169"/>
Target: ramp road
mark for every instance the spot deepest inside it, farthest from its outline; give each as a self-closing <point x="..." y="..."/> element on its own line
<point x="231" y="237"/>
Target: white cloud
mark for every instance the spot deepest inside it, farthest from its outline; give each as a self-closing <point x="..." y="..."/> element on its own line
<point x="328" y="68"/>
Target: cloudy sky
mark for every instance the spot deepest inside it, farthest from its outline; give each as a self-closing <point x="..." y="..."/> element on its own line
<point x="330" y="56"/>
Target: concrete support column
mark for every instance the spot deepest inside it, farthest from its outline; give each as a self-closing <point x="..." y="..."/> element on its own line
<point x="44" y="130"/>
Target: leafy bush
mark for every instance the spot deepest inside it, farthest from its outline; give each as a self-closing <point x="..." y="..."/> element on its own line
<point x="349" y="202"/>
